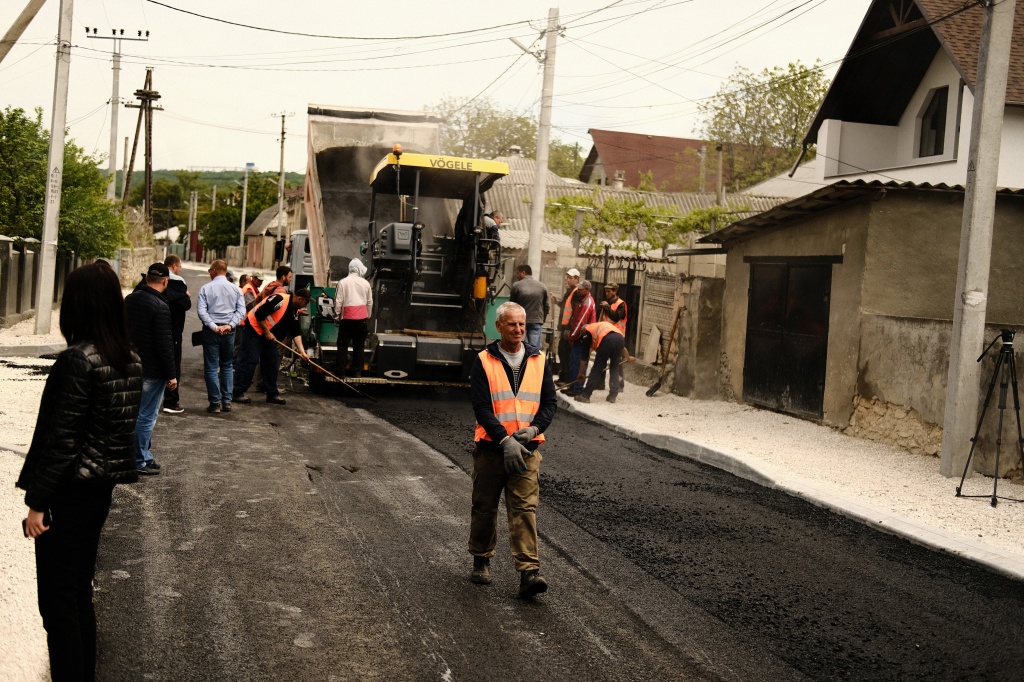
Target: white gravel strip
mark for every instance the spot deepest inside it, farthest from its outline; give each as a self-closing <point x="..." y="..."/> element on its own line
<point x="23" y="656"/>
<point x="24" y="333"/>
<point x="785" y="448"/>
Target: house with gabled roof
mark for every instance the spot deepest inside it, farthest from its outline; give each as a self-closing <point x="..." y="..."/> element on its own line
<point x="675" y="164"/>
<point x="838" y="304"/>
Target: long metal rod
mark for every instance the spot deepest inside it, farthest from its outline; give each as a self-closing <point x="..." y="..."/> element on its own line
<point x="325" y="371"/>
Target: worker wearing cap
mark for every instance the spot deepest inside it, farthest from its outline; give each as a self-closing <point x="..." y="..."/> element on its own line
<point x="572" y="280"/>
<point x="514" y="402"/>
<point x="250" y="289"/>
<point x="613" y="309"/>
<point x="274" y="320"/>
<point x="607" y="342"/>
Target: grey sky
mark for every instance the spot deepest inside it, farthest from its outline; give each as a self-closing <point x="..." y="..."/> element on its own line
<point x="639" y="65"/>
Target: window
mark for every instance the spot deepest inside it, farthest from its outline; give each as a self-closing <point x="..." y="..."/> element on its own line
<point x="933" y="123"/>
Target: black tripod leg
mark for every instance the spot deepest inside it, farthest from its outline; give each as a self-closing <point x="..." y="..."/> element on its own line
<point x="1003" y="381"/>
<point x="1016" y="408"/>
<point x="981" y="419"/>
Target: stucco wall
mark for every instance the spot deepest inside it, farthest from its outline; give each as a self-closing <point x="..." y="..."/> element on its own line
<point x="913" y="252"/>
<point x="830" y="233"/>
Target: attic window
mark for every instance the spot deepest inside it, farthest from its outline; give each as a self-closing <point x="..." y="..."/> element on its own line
<point x="933" y="123"/>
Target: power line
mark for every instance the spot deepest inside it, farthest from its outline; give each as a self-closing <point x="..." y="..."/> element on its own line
<point x="486" y="87"/>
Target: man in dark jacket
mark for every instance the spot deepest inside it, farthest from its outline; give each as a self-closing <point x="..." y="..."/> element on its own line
<point x="179" y="301"/>
<point x="533" y="296"/>
<point x="149" y="325"/>
<point x="514" y="402"/>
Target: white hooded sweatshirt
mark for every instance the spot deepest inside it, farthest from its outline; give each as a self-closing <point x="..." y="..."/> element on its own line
<point x="353" y="299"/>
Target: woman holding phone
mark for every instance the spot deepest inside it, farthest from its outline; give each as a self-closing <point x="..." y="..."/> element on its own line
<point x="84" y="444"/>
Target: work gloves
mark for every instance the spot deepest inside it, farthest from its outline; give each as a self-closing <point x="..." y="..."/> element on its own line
<point x="526" y="434"/>
<point x="514" y="453"/>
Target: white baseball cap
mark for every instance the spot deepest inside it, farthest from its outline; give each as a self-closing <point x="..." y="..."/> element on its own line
<point x="572" y="272"/>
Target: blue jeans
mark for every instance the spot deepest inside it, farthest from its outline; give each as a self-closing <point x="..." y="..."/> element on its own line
<point x="149" y="408"/>
<point x="575" y="357"/>
<point x="218" y="365"/>
<point x="533" y="330"/>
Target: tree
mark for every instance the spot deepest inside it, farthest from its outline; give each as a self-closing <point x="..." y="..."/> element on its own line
<point x="219" y="228"/>
<point x="481" y="129"/>
<point x="89" y="225"/>
<point x="630" y="224"/>
<point x="761" y="119"/>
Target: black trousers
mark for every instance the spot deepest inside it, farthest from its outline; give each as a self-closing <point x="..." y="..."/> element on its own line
<point x="609" y="352"/>
<point x="171" y="397"/>
<point x="356" y="332"/>
<point x="65" y="567"/>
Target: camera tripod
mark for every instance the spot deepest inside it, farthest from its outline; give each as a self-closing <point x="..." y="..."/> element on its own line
<point x="1006" y="371"/>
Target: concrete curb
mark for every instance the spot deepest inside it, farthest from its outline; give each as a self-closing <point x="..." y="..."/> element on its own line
<point x="31" y="351"/>
<point x="16" y="450"/>
<point x="993" y="558"/>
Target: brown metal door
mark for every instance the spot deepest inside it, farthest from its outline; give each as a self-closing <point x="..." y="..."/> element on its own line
<point x="787" y="336"/>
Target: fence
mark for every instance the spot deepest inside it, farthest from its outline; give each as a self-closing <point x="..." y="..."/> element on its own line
<point x="19" y="270"/>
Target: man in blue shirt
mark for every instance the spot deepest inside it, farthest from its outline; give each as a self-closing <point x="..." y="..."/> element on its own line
<point x="221" y="309"/>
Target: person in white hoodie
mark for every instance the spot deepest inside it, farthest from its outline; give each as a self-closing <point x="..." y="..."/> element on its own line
<point x="353" y="303"/>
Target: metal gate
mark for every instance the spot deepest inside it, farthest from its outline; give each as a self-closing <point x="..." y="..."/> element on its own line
<point x="787" y="334"/>
<point x="623" y="271"/>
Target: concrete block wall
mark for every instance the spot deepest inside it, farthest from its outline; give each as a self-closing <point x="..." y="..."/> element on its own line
<point x="134" y="262"/>
<point x="19" y="269"/>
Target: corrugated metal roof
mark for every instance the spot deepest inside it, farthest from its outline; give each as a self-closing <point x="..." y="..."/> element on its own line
<point x="265" y="221"/>
<point x="835" y="195"/>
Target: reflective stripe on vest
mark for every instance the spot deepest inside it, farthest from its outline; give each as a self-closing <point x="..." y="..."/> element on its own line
<point x="599" y="330"/>
<point x="621" y="324"/>
<point x="567" y="309"/>
<point x="513" y="411"/>
<point x="272" y="319"/>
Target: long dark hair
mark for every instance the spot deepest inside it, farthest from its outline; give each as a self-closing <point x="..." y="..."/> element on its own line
<point x="93" y="310"/>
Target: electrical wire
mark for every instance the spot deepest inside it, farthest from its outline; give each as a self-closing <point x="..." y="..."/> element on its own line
<point x="486" y="87"/>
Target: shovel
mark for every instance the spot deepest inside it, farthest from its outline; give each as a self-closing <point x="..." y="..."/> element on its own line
<point x="664" y="370"/>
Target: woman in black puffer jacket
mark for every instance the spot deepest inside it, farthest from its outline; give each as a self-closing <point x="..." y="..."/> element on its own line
<point x="84" y="444"/>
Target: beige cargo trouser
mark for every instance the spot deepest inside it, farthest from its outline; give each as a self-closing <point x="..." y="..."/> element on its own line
<point x="522" y="495"/>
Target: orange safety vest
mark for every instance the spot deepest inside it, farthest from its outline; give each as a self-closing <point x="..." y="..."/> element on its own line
<point x="621" y="324"/>
<point x="514" y="411"/>
<point x="567" y="308"/>
<point x="249" y="287"/>
<point x="273" y="318"/>
<point x="599" y="330"/>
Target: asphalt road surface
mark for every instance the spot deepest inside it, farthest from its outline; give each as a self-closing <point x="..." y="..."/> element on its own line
<point x="326" y="540"/>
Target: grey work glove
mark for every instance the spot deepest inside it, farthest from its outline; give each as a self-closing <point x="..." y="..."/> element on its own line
<point x="526" y="434"/>
<point x="514" y="453"/>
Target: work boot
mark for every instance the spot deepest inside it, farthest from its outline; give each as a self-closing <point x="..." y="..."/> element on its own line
<point x="241" y="398"/>
<point x="611" y="398"/>
<point x="481" y="574"/>
<point x="582" y="398"/>
<point x="531" y="583"/>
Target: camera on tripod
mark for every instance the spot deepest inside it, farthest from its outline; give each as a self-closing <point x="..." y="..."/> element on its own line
<point x="1006" y="335"/>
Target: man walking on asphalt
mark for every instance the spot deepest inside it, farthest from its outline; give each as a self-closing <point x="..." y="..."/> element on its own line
<point x="533" y="296"/>
<point x="179" y="301"/>
<point x="275" y="318"/>
<point x="607" y="342"/>
<point x="221" y="309"/>
<point x="572" y="280"/>
<point x="149" y="325"/>
<point x="514" y="401"/>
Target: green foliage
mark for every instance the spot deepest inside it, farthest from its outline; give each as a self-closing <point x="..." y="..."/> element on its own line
<point x="630" y="224"/>
<point x="761" y="119"/>
<point x="222" y="227"/>
<point x="89" y="225"/>
<point x="483" y="130"/>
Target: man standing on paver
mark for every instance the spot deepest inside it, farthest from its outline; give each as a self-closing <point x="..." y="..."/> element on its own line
<point x="514" y="401"/>
<point x="533" y="296"/>
<point x="149" y="325"/>
<point x="221" y="309"/>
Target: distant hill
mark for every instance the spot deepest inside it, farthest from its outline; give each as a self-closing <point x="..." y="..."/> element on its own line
<point x="208" y="178"/>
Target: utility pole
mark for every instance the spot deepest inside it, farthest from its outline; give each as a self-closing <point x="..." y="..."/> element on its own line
<point x="280" y="186"/>
<point x="146" y="96"/>
<point x="55" y="172"/>
<point x="18" y="27"/>
<point x="117" y="35"/>
<point x="193" y="206"/>
<point x="213" y="199"/>
<point x="540" y="174"/>
<point x="124" y="171"/>
<point x="245" y="199"/>
<point x="971" y="304"/>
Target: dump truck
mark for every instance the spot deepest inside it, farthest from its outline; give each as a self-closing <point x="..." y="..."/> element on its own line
<point x="377" y="190"/>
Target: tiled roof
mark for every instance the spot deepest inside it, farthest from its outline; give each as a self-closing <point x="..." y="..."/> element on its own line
<point x="960" y="33"/>
<point x="673" y="161"/>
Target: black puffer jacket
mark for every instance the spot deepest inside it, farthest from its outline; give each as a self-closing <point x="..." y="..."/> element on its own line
<point x="85" y="428"/>
<point x="149" y="324"/>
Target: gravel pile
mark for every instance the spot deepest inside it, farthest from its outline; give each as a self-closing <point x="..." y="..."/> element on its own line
<point x="873" y="474"/>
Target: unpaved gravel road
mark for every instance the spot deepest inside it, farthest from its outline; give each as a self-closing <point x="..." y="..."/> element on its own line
<point x="828" y="596"/>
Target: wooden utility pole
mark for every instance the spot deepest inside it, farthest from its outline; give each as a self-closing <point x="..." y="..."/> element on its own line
<point x="18" y="27"/>
<point x="962" y="382"/>
<point x="146" y="96"/>
<point x="280" y="187"/>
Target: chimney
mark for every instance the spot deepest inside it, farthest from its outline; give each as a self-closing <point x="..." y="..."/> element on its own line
<point x="515" y="150"/>
<point x="619" y="180"/>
